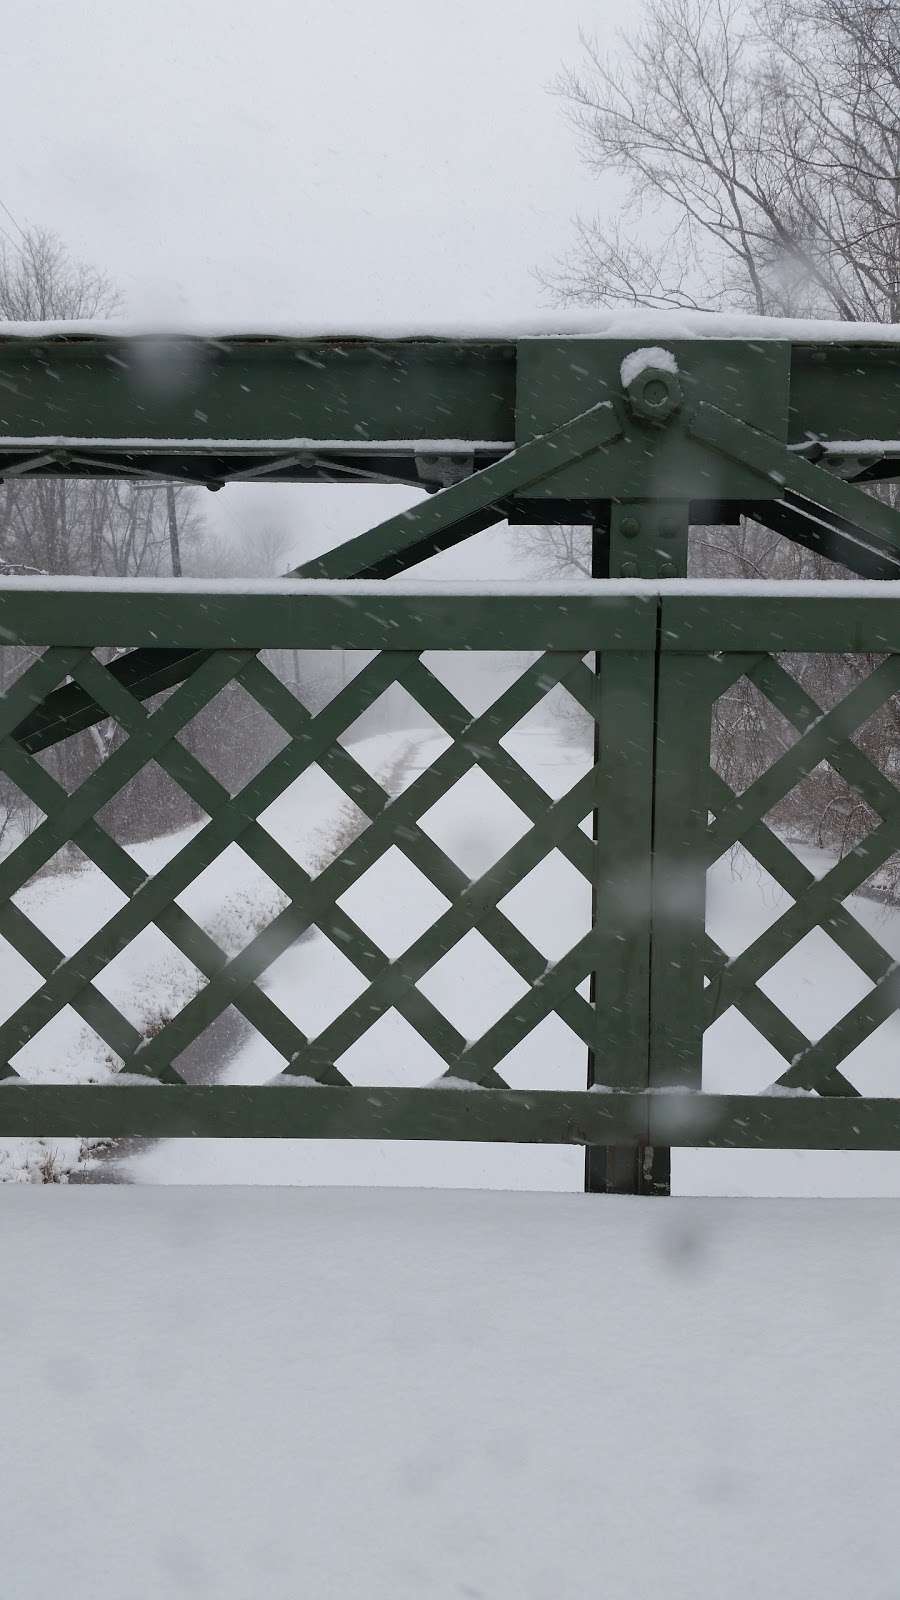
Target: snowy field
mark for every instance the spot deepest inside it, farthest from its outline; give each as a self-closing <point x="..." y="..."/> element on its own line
<point x="313" y="981"/>
<point x="452" y="1396"/>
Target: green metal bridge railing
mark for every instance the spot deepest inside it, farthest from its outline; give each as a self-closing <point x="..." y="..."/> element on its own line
<point x="640" y="444"/>
<point x="657" y="980"/>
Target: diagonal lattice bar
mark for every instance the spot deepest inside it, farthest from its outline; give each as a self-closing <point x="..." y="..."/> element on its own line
<point x="520" y="697"/>
<point x="428" y="858"/>
<point x="827" y="736"/>
<point x="117" y="769"/>
<point x="817" y="903"/>
<point x="176" y="761"/>
<point x="788" y="870"/>
<point x="280" y="867"/>
<point x="782" y="1034"/>
<point x="62" y="823"/>
<point x="847" y="759"/>
<point x="558" y="977"/>
<point x="222" y="829"/>
<point x="357" y="858"/>
<point x="810" y="911"/>
<point x="849" y="935"/>
<point x="507" y="773"/>
<point x="816" y="1065"/>
<point x="91" y="1005"/>
<point x="466" y="914"/>
<point x="21" y="933"/>
<point x="853" y="1028"/>
<point x="116" y="863"/>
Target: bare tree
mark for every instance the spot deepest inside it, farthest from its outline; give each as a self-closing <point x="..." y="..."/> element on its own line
<point x="833" y="89"/>
<point x="40" y="282"/>
<point x="757" y="147"/>
<point x="100" y="528"/>
<point x="761" y="141"/>
<point x="55" y="525"/>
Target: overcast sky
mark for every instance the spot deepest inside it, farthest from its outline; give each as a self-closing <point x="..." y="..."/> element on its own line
<point x="336" y="159"/>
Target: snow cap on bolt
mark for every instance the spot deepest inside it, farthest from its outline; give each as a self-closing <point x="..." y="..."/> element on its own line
<point x="650" y="380"/>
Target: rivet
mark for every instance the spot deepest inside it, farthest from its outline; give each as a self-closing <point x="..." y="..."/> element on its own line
<point x="667" y="569"/>
<point x="629" y="569"/>
<point x="629" y="527"/>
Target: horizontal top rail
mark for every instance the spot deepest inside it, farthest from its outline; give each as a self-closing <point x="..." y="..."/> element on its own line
<point x="684" y="615"/>
<point x="311" y="615"/>
<point x="300" y="404"/>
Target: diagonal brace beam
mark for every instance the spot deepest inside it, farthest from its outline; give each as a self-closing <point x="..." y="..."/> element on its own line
<point x="808" y="487"/>
<point x="455" y="513"/>
<point x="437" y="523"/>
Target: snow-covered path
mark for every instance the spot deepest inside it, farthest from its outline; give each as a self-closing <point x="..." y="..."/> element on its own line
<point x="452" y="1396"/>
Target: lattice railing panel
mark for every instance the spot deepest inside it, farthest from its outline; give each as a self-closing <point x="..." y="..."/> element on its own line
<point x="464" y="930"/>
<point x="814" y="982"/>
<point x="533" y="930"/>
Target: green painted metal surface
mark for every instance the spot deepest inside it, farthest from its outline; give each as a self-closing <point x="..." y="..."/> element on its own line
<point x="526" y="430"/>
<point x="351" y="409"/>
<point x="658" y="980"/>
<point x="557" y="379"/>
<point x="641" y="466"/>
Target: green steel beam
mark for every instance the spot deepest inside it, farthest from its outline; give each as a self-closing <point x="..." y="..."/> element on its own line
<point x="588" y="436"/>
<point x="219" y="409"/>
<point x="293" y="616"/>
<point x="824" y="534"/>
<point x="319" y="616"/>
<point x="494" y="1115"/>
<point x="415" y="410"/>
<point x="473" y="504"/>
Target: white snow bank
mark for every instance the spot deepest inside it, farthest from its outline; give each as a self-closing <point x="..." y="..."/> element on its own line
<point x="405" y="1396"/>
<point x="647" y="326"/>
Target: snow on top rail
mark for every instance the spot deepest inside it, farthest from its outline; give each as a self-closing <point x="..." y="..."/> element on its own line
<point x="361" y="588"/>
<point x="636" y="324"/>
<point x="162" y="445"/>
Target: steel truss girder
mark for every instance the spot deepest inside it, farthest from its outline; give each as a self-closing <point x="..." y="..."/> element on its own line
<point x="81" y="403"/>
<point x="821" y="510"/>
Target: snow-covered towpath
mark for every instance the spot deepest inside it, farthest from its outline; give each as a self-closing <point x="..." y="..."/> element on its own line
<point x="411" y="1396"/>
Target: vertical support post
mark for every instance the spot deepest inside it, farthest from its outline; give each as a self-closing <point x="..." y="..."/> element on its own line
<point x="622" y="887"/>
<point x="643" y="539"/>
<point x="648" y="539"/>
<point x="679" y="870"/>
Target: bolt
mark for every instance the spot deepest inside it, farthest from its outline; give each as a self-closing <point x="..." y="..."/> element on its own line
<point x="655" y="392"/>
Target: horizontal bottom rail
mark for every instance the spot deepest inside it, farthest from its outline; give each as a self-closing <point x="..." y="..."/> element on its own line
<point x="586" y="1117"/>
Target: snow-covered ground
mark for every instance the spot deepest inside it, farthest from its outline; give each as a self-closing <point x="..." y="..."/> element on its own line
<point x="452" y="1396"/>
<point x="394" y="903"/>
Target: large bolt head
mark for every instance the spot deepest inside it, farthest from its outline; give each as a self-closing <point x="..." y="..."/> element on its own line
<point x="653" y="392"/>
